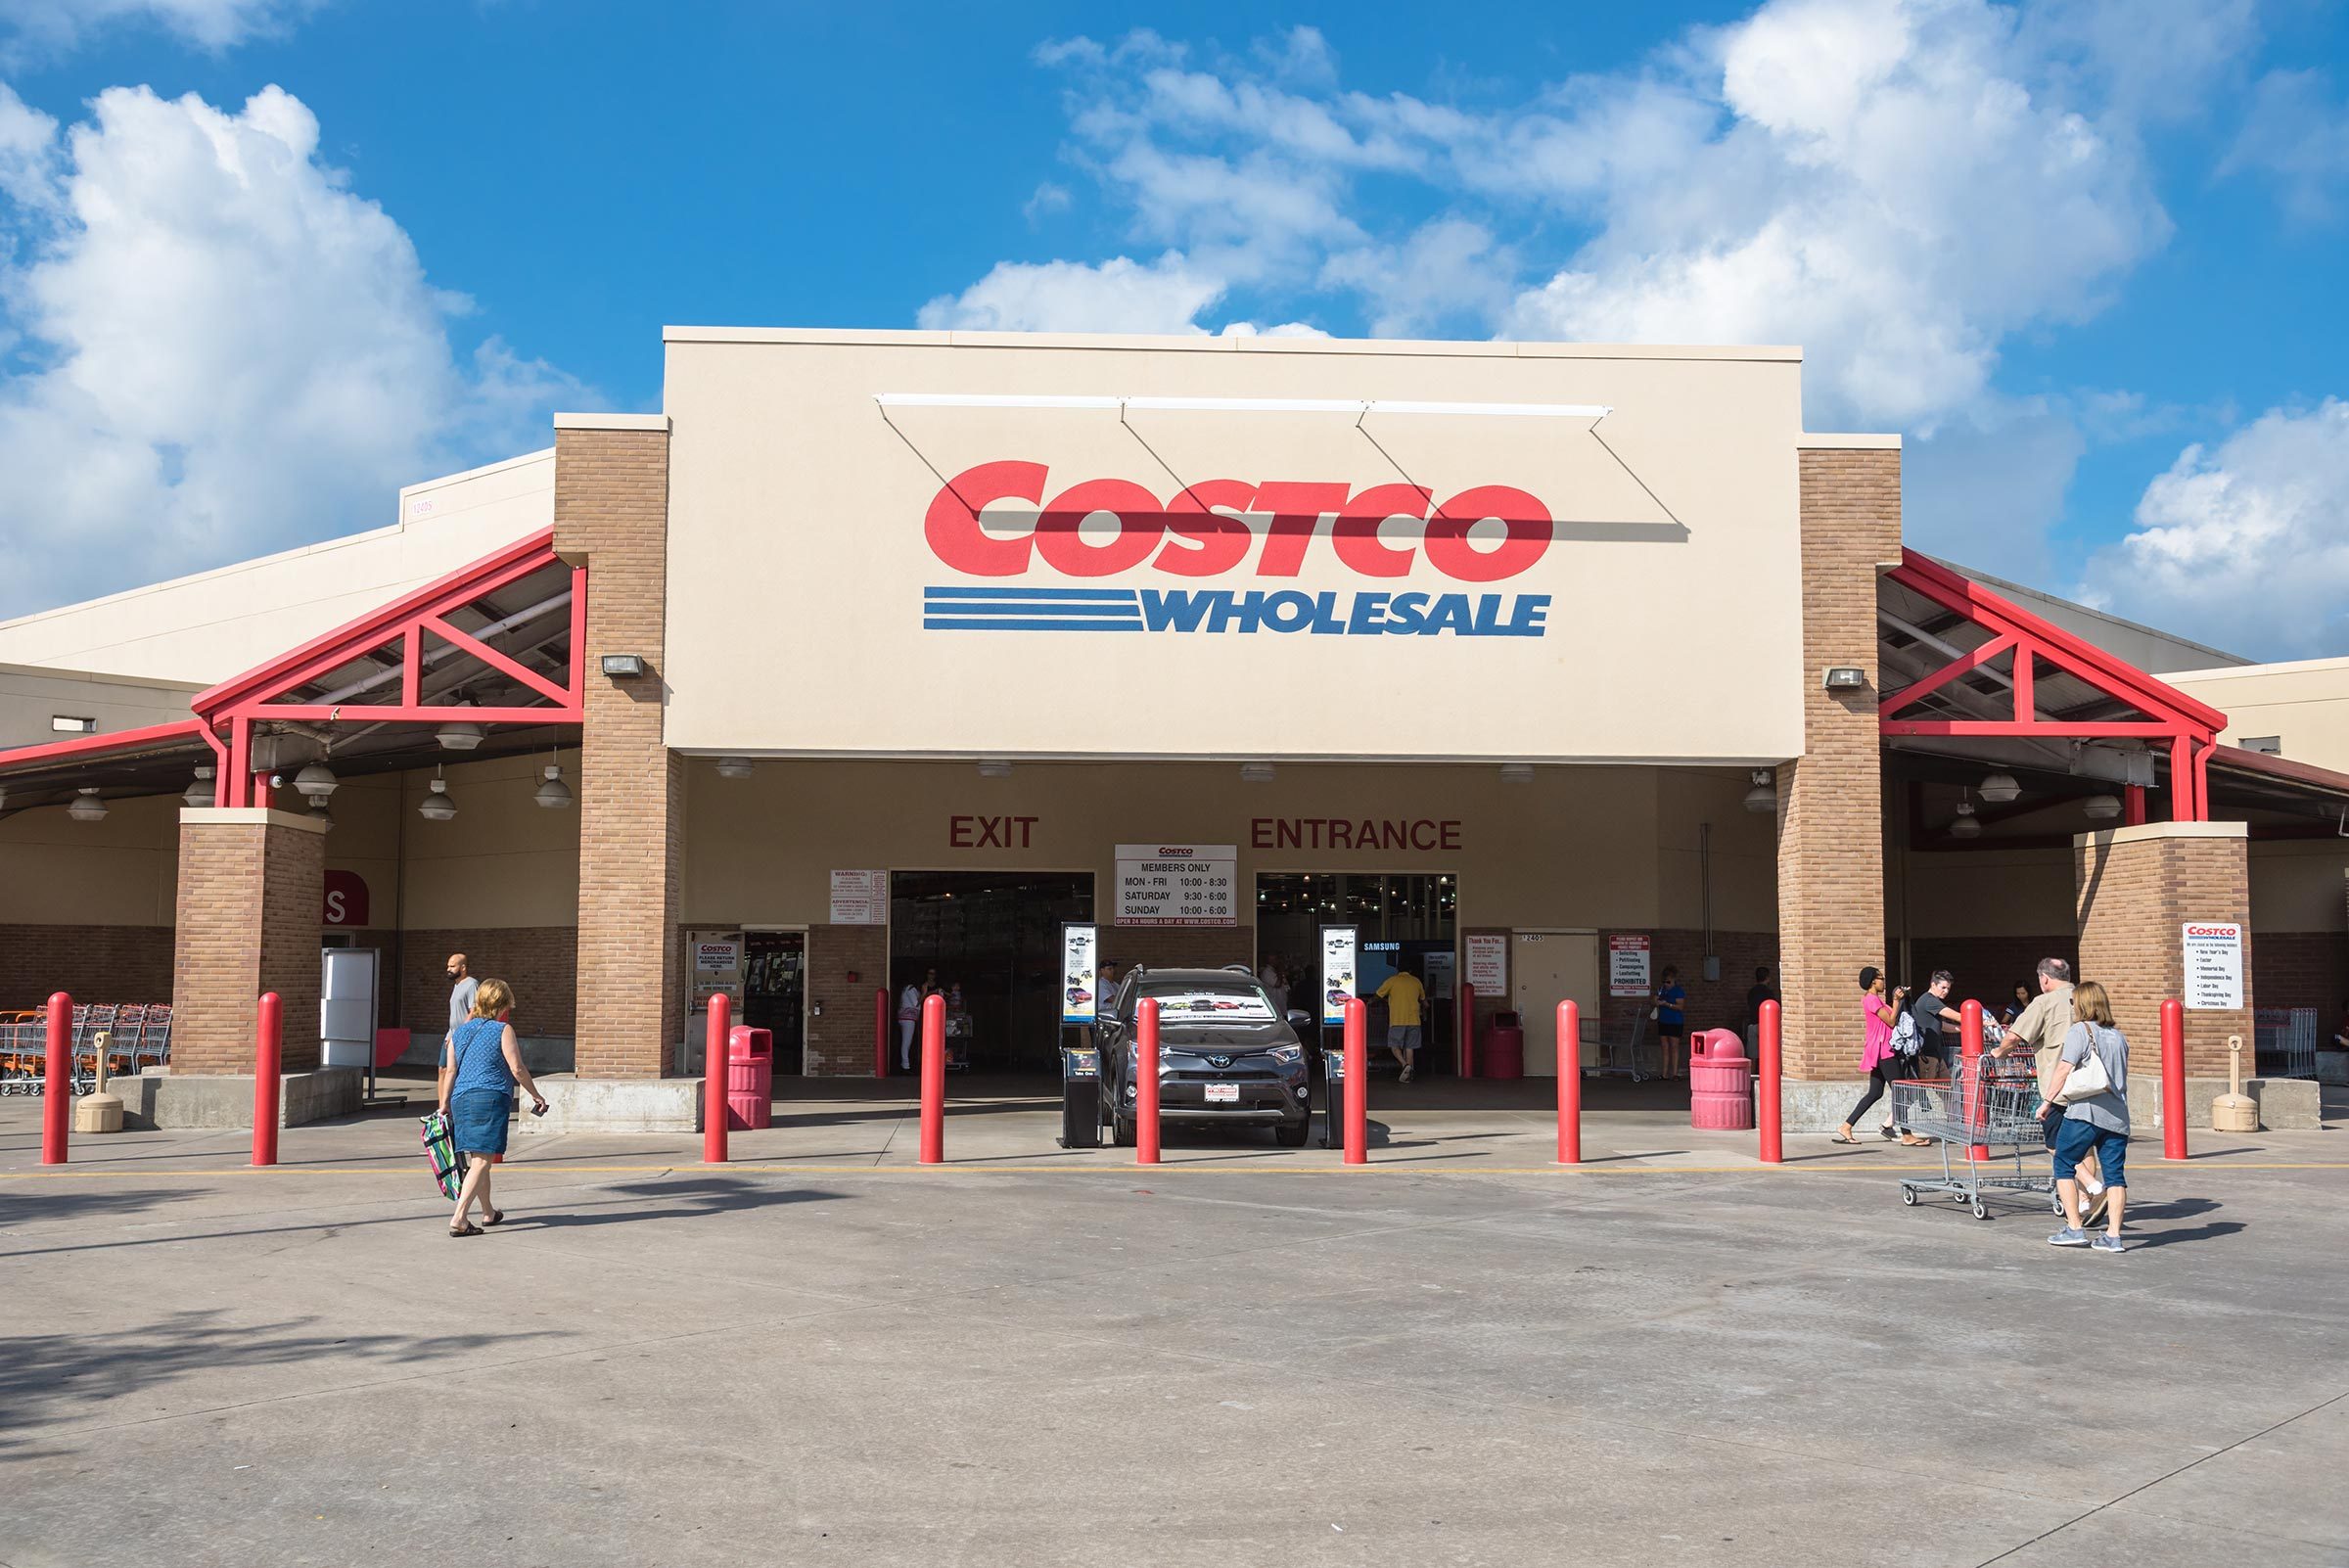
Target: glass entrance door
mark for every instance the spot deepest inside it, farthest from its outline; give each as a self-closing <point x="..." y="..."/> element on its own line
<point x="1403" y="920"/>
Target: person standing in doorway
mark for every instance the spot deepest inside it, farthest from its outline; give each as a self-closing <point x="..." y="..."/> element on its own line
<point x="1405" y="999"/>
<point x="478" y="1073"/>
<point x="461" y="993"/>
<point x="909" y="1021"/>
<point x="1671" y="1022"/>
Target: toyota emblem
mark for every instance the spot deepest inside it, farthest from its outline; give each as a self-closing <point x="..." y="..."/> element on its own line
<point x="1219" y="1061"/>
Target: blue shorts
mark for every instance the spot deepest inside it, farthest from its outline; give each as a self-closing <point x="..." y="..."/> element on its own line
<point x="2073" y="1140"/>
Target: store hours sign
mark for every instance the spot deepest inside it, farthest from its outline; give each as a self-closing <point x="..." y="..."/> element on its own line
<point x="1178" y="884"/>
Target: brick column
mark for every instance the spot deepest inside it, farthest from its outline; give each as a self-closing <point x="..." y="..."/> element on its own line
<point x="612" y="515"/>
<point x="1830" y="802"/>
<point x="252" y="894"/>
<point x="2135" y="888"/>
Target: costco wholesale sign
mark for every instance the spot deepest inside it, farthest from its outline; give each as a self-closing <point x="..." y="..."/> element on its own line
<point x="993" y="549"/>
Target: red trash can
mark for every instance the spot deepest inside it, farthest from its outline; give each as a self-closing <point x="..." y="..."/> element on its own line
<point x="1720" y="1083"/>
<point x="750" y="1078"/>
<point x="1504" y="1055"/>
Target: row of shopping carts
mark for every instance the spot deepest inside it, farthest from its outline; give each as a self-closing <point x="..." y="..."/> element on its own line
<point x="138" y="1036"/>
<point x="1985" y="1118"/>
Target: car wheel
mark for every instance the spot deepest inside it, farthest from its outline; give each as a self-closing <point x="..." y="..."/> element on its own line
<point x="1291" y="1134"/>
<point x="1121" y="1131"/>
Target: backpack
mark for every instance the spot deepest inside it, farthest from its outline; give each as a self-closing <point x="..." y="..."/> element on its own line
<point x="1905" y="1041"/>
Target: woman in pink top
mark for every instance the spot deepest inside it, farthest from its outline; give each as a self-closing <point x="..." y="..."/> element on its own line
<point x="1877" y="1014"/>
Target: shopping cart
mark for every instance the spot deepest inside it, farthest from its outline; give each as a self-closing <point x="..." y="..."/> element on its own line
<point x="1986" y="1113"/>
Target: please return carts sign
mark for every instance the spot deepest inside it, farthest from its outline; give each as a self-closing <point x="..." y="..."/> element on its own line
<point x="2214" y="965"/>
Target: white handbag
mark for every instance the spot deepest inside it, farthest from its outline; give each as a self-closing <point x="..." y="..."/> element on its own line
<point x="2088" y="1078"/>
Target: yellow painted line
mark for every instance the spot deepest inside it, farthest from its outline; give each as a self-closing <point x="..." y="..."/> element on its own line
<point x="1387" y="1168"/>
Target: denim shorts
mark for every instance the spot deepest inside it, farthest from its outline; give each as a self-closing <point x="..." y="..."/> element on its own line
<point x="2075" y="1138"/>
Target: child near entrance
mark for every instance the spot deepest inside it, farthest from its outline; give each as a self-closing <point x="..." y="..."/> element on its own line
<point x="1405" y="997"/>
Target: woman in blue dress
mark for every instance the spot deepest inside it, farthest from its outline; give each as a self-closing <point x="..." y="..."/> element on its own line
<point x="478" y="1071"/>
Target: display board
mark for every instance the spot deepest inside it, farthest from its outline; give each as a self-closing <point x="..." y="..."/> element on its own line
<point x="1489" y="963"/>
<point x="1340" y="966"/>
<point x="1178" y="884"/>
<point x="860" y="898"/>
<point x="1080" y="989"/>
<point x="1628" y="971"/>
<point x="2214" y="965"/>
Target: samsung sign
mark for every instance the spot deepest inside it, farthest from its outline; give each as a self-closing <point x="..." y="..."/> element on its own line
<point x="1204" y="531"/>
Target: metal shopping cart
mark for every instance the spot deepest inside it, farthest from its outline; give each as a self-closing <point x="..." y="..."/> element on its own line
<point x="1987" y="1112"/>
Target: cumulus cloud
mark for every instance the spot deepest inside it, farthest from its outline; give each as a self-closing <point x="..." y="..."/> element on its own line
<point x="56" y="25"/>
<point x="2245" y="546"/>
<point x="226" y="350"/>
<point x="1119" y="294"/>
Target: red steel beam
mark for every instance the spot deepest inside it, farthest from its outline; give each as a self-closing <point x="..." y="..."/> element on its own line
<point x="1917" y="691"/>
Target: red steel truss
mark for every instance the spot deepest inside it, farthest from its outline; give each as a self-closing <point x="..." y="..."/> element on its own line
<point x="2191" y="727"/>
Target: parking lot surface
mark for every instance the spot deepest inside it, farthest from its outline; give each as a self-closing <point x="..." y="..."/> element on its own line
<point x="1456" y="1356"/>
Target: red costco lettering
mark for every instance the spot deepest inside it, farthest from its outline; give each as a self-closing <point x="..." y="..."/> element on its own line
<point x="1202" y="532"/>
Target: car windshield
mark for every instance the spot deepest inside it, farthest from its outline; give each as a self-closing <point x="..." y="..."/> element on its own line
<point x="1193" y="1001"/>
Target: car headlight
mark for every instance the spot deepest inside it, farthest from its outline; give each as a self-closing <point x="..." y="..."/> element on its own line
<point x="1286" y="1055"/>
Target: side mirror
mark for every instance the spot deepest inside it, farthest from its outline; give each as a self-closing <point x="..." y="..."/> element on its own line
<point x="1299" y="1019"/>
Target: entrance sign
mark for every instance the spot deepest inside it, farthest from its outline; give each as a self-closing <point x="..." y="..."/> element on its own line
<point x="717" y="957"/>
<point x="1339" y="966"/>
<point x="1079" y="989"/>
<point x="1628" y="967"/>
<point x="1489" y="964"/>
<point x="1176" y="883"/>
<point x="860" y="898"/>
<point x="2214" y="965"/>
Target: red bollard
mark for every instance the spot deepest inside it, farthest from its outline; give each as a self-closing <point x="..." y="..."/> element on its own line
<point x="1145" y="1082"/>
<point x="1467" y="1029"/>
<point x="1768" y="1103"/>
<point x="57" y="1081"/>
<point x="714" y="1079"/>
<point x="1357" y="1081"/>
<point x="268" y="1072"/>
<point x="934" y="1079"/>
<point x="2173" y="1080"/>
<point x="881" y="1031"/>
<point x="1969" y="1055"/>
<point x="1570" y="1083"/>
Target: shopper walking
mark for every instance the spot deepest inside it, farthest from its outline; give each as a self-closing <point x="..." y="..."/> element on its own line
<point x="460" y="995"/>
<point x="1405" y="996"/>
<point x="2088" y="1111"/>
<point x="478" y="1073"/>
<point x="1878" y="1014"/>
<point x="1672" y="1021"/>
<point x="1936" y="1021"/>
<point x="2040" y="1029"/>
<point x="909" y="1019"/>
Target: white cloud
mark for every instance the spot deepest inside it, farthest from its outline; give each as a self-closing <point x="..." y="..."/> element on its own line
<point x="2297" y="135"/>
<point x="1450" y="272"/>
<point x="1119" y="294"/>
<point x="57" y="25"/>
<point x="230" y="352"/>
<point x="2245" y="547"/>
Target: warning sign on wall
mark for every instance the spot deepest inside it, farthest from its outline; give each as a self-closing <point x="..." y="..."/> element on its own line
<point x="1626" y="967"/>
<point x="2214" y="965"/>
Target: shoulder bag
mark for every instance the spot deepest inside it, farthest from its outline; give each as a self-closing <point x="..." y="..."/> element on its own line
<point x="2088" y="1078"/>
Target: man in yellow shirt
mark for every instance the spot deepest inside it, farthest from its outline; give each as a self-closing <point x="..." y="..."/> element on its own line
<point x="1405" y="997"/>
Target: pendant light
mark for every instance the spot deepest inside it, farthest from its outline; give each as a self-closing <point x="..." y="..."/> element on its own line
<point x="87" y="806"/>
<point x="1967" y="826"/>
<point x="200" y="793"/>
<point x="2102" y="808"/>
<point x="554" y="794"/>
<point x="437" y="807"/>
<point x="1999" y="788"/>
<point x="1256" y="772"/>
<point x="319" y="814"/>
<point x="317" y="781"/>
<point x="1763" y="798"/>
<point x="1516" y="772"/>
<point x="734" y="767"/>
<point x="459" y="735"/>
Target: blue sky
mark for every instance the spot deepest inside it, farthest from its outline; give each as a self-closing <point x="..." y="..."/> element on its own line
<point x="263" y="260"/>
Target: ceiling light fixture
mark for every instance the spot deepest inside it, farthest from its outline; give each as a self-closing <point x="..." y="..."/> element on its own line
<point x="87" y="806"/>
<point x="554" y="794"/>
<point x="2102" y="808"/>
<point x="437" y="807"/>
<point x="201" y="793"/>
<point x="459" y="735"/>
<point x="1763" y="798"/>
<point x="1256" y="772"/>
<point x="995" y="767"/>
<point x="1999" y="788"/>
<point x="735" y="768"/>
<point x="1967" y="826"/>
<point x="317" y="781"/>
<point x="1516" y="772"/>
<point x="319" y="814"/>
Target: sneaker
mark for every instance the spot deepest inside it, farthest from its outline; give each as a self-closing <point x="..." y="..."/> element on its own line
<point x="2092" y="1185"/>
<point x="2107" y="1243"/>
<point x="1407" y="1074"/>
<point x="2095" y="1215"/>
<point x="2069" y="1236"/>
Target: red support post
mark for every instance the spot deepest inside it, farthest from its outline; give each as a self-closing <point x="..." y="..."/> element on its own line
<point x="1768" y="1069"/>
<point x="714" y="1079"/>
<point x="1357" y="1081"/>
<point x="2173" y="1080"/>
<point x="881" y="1031"/>
<point x="1969" y="1064"/>
<point x="934" y="1079"/>
<point x="268" y="1071"/>
<point x="1145" y="1081"/>
<point x="1466" y="1050"/>
<point x="1569" y="1082"/>
<point x="57" y="1081"/>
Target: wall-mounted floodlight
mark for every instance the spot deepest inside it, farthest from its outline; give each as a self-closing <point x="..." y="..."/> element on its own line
<point x="620" y="666"/>
<point x="1844" y="678"/>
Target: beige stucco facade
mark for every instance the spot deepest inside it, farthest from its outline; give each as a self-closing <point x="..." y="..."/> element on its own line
<point x="2303" y="703"/>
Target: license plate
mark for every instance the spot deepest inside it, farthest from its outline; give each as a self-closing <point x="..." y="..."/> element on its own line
<point x="1226" y="1094"/>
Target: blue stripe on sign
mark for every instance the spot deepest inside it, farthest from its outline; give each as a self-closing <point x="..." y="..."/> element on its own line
<point x="998" y="607"/>
<point x="1121" y="595"/>
<point x="1003" y="623"/>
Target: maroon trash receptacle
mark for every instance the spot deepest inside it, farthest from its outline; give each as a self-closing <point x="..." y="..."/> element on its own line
<point x="1720" y="1083"/>
<point x="1504" y="1055"/>
<point x="750" y="1078"/>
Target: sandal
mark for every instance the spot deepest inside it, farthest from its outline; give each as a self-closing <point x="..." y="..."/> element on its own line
<point x="1843" y="1136"/>
<point x="495" y="1216"/>
<point x="469" y="1228"/>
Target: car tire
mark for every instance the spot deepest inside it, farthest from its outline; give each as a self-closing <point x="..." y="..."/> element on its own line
<point x="1291" y="1134"/>
<point x="1121" y="1131"/>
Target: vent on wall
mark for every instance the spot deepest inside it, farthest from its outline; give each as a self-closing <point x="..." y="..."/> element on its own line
<point x="68" y="724"/>
<point x="2273" y="745"/>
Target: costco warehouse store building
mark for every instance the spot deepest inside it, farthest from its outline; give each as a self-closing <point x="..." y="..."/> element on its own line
<point x="877" y="654"/>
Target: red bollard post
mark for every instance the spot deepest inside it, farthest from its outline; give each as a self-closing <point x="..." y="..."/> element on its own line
<point x="1145" y="1082"/>
<point x="1768" y="1065"/>
<point x="2173" y="1080"/>
<point x="934" y="1080"/>
<point x="269" y="1072"/>
<point x="1569" y="1082"/>
<point x="714" y="1079"/>
<point x="1357" y="1082"/>
<point x="1969" y="1060"/>
<point x="881" y="1031"/>
<point x="57" y="1081"/>
<point x="1467" y="1029"/>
